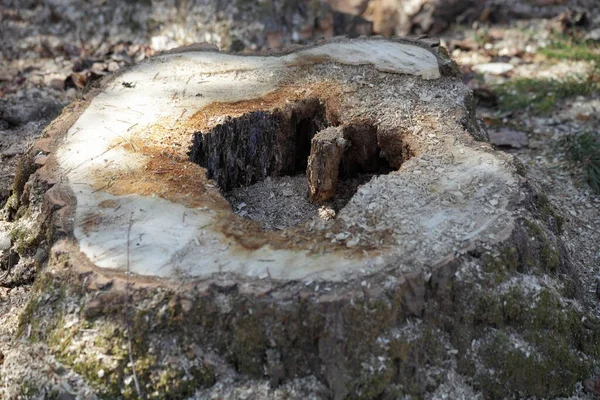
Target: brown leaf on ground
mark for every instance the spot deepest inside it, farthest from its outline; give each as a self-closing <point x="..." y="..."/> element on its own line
<point x="76" y="80"/>
<point x="81" y="80"/>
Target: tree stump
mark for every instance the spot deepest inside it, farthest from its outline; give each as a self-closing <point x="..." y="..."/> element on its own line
<point x="160" y="274"/>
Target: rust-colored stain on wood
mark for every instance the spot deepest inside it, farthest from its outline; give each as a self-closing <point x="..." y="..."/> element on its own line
<point x="207" y="117"/>
<point x="168" y="173"/>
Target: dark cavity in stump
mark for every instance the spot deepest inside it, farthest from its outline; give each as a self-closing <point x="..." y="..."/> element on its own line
<point x="261" y="161"/>
<point x="244" y="150"/>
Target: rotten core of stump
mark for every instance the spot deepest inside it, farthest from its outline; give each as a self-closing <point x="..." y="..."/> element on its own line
<point x="300" y="142"/>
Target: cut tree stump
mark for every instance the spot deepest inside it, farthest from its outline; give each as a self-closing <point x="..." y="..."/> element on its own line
<point x="141" y="208"/>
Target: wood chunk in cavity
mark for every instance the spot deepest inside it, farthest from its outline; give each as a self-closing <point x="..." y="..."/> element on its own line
<point x="327" y="149"/>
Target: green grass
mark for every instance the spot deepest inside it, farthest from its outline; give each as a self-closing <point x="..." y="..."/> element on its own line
<point x="540" y="95"/>
<point x="570" y="49"/>
<point x="584" y="151"/>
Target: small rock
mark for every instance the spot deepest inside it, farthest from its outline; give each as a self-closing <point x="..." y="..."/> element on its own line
<point x="162" y="43"/>
<point x="496" y="68"/>
<point x="99" y="67"/>
<point x="5" y="241"/>
<point x="342" y="236"/>
<point x="186" y="305"/>
<point x="113" y="66"/>
<point x="100" y="373"/>
<point x="594" y="35"/>
<point x="353" y="242"/>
